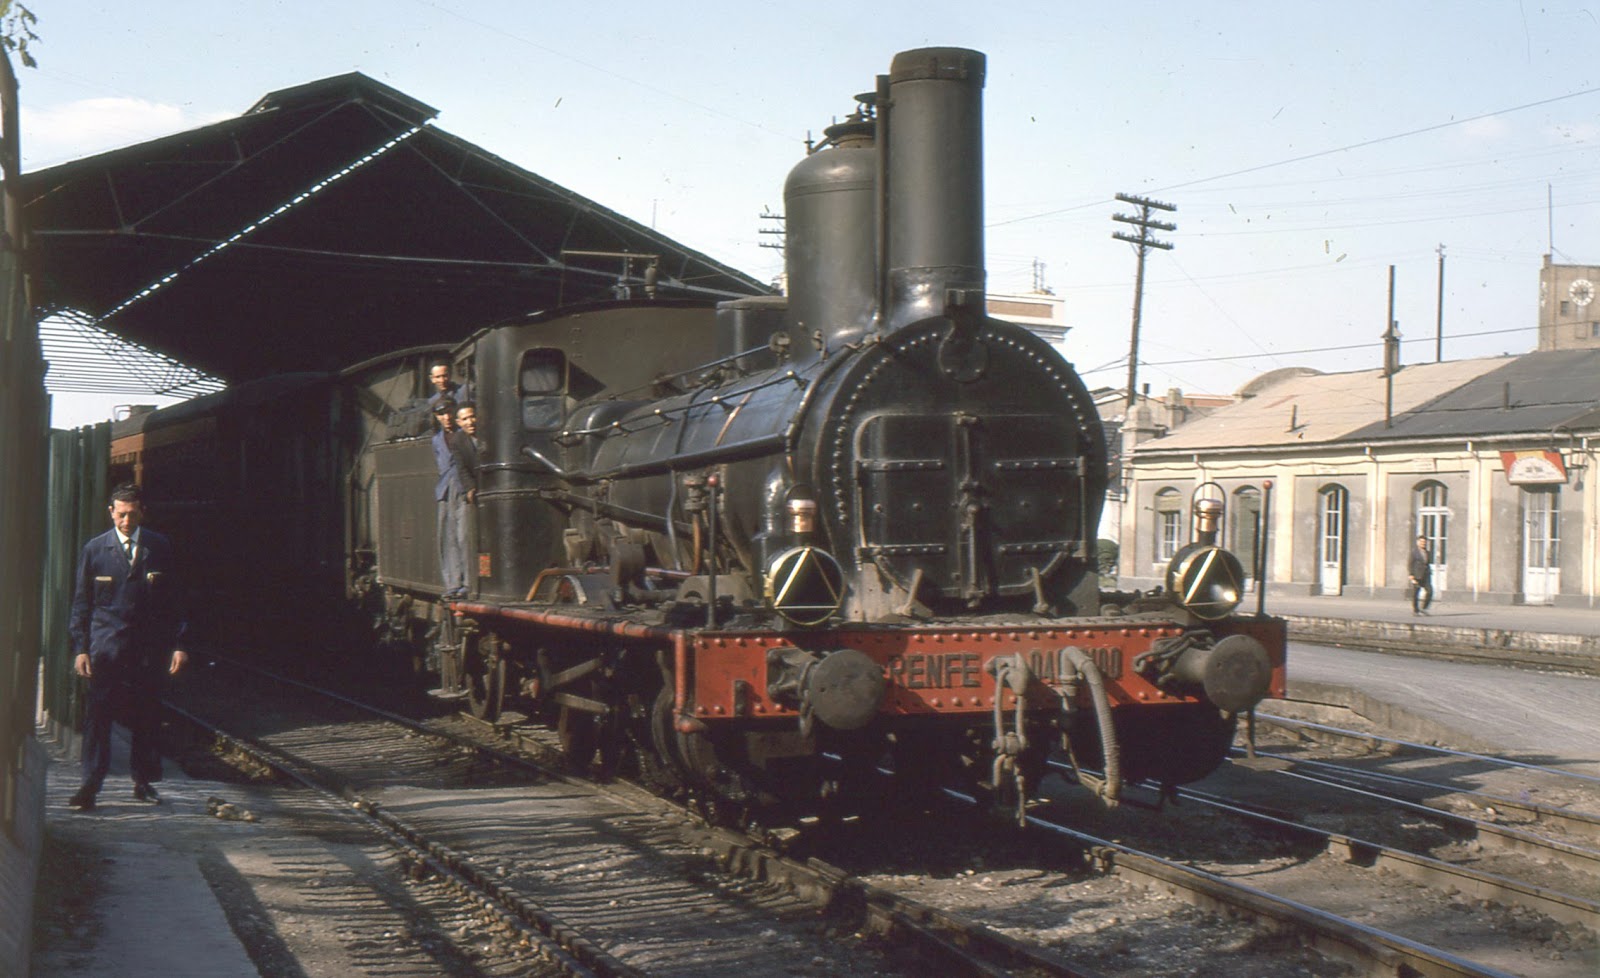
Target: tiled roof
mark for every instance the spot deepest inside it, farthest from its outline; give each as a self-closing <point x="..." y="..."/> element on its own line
<point x="1325" y="408"/>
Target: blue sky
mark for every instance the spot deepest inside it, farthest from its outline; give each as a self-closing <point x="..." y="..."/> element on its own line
<point x="1307" y="146"/>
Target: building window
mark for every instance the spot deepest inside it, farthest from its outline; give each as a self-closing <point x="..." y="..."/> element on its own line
<point x="1542" y="512"/>
<point x="1168" y="524"/>
<point x="1541" y="544"/>
<point x="1332" y="506"/>
<point x="1433" y="519"/>
<point x="1245" y="514"/>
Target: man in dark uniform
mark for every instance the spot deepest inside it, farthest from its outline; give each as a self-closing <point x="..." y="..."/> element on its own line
<point x="450" y="494"/>
<point x="1421" y="571"/>
<point x="128" y="629"/>
<point x="467" y="447"/>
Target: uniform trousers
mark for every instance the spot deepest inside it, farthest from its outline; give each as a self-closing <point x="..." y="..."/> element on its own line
<point x="452" y="540"/>
<point x="130" y="696"/>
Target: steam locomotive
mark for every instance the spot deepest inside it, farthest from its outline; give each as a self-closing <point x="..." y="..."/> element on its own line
<point x="768" y="546"/>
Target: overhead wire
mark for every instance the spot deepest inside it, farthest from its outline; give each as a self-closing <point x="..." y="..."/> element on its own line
<point x="1304" y="157"/>
<point x="1122" y="361"/>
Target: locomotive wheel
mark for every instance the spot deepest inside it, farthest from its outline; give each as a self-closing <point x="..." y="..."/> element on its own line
<point x="486" y="690"/>
<point x="579" y="732"/>
<point x="664" y="741"/>
<point x="483" y="672"/>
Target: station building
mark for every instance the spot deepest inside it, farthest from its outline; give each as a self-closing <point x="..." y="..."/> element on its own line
<point x="1490" y="459"/>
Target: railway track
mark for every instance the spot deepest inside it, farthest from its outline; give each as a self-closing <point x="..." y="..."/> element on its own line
<point x="574" y="895"/>
<point x="880" y="907"/>
<point x="1382" y="909"/>
<point x="1365" y="947"/>
<point x="1498" y="858"/>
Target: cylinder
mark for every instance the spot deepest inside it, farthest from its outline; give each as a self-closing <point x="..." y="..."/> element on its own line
<point x="830" y="246"/>
<point x="935" y="181"/>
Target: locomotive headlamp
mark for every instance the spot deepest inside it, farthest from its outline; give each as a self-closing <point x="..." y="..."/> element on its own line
<point x="1207" y="580"/>
<point x="802" y="516"/>
<point x="805" y="585"/>
<point x="1207" y="519"/>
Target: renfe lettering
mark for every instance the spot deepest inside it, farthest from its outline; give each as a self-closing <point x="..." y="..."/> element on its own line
<point x="940" y="670"/>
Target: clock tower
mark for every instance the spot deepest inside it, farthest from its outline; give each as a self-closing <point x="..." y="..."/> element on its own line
<point x="1569" y="306"/>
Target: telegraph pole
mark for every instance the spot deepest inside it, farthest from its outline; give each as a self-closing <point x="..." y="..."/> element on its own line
<point x="1391" y="357"/>
<point x="1438" y="326"/>
<point x="1142" y="243"/>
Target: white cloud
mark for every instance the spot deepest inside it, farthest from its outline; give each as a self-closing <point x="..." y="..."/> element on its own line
<point x="58" y="133"/>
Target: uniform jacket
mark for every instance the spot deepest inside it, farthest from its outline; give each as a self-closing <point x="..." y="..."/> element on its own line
<point x="1421" y="567"/>
<point x="449" y="473"/>
<point x="126" y="615"/>
<point x="465" y="448"/>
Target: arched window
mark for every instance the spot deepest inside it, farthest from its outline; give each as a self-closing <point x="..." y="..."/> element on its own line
<point x="1168" y="523"/>
<point x="1332" y="510"/>
<point x="1432" y="505"/>
<point x="1246" y="531"/>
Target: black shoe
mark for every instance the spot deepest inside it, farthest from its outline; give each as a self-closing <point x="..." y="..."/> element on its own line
<point x="82" y="800"/>
<point x="146" y="792"/>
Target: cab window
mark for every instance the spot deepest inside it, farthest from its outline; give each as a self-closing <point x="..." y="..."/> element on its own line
<point x="541" y="385"/>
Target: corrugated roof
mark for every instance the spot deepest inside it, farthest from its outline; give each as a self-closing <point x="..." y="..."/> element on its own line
<point x="1316" y="408"/>
<point x="328" y="223"/>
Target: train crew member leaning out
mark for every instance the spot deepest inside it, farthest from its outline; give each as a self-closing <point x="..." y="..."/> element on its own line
<point x="467" y="447"/>
<point x="128" y="628"/>
<point x="450" y="493"/>
<point x="443" y="386"/>
<point x="1421" y="571"/>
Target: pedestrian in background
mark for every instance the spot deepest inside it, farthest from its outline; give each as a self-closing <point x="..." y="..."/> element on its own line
<point x="128" y="628"/>
<point x="1421" y="577"/>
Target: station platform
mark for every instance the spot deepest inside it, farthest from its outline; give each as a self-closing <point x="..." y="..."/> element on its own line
<point x="1561" y="639"/>
<point x="1449" y="610"/>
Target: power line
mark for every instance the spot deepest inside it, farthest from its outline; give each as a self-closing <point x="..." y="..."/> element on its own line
<point x="1312" y="156"/>
<point x="1385" y="139"/>
<point x="1319" y="349"/>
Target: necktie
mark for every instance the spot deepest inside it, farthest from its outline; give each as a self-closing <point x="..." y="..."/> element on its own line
<point x="129" y="550"/>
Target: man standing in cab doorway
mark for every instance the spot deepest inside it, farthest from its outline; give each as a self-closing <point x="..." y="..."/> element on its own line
<point x="128" y="629"/>
<point x="450" y="494"/>
<point x="1421" y="577"/>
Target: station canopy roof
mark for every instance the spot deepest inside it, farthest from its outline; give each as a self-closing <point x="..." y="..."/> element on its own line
<point x="328" y="224"/>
